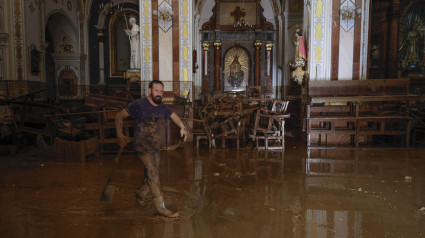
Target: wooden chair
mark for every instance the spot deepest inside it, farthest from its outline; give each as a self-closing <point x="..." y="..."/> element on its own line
<point x="231" y="130"/>
<point x="253" y="92"/>
<point x="270" y="126"/>
<point x="199" y="131"/>
<point x="72" y="129"/>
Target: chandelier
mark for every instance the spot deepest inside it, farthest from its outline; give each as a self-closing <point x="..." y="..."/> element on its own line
<point x="242" y="25"/>
<point x="110" y="8"/>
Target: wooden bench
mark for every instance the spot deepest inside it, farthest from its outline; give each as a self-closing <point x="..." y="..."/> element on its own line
<point x="352" y="112"/>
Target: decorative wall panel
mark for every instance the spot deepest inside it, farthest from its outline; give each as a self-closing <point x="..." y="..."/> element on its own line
<point x="146" y="42"/>
<point x="185" y="21"/>
<point x="320" y="42"/>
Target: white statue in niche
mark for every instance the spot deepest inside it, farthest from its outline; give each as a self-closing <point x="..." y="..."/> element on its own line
<point x="134" y="35"/>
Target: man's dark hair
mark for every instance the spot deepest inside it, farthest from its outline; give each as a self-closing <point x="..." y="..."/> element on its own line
<point x="155" y="82"/>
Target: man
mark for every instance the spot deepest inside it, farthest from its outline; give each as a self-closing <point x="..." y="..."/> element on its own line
<point x="134" y="35"/>
<point x="149" y="115"/>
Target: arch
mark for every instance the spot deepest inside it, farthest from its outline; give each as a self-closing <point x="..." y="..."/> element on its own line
<point x="62" y="30"/>
<point x="119" y="44"/>
<point x="99" y="40"/>
<point x="91" y="4"/>
<point x="62" y="37"/>
<point x="409" y="6"/>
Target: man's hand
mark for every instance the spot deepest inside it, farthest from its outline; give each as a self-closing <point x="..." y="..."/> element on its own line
<point x="176" y="119"/>
<point x="183" y="132"/>
<point x="119" y="117"/>
<point x="122" y="141"/>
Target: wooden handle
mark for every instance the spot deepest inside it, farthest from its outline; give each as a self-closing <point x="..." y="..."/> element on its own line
<point x="118" y="155"/>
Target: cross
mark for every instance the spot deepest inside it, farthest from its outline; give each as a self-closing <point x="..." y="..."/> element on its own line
<point x="237" y="13"/>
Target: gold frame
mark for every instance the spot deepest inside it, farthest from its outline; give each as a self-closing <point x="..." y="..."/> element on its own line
<point x="243" y="56"/>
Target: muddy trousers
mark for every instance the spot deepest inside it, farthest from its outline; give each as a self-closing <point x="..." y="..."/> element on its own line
<point x="151" y="171"/>
<point x="151" y="182"/>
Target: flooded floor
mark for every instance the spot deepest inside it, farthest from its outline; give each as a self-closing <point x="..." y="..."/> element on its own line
<point x="220" y="193"/>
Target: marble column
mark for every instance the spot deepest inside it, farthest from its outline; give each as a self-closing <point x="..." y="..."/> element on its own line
<point x="257" y="69"/>
<point x="217" y="72"/>
<point x="269" y="47"/>
<point x="101" y="39"/>
<point x="205" y="47"/>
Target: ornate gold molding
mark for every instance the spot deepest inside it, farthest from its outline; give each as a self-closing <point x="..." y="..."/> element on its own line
<point x="217" y="45"/>
<point x="258" y="45"/>
<point x="269" y="46"/>
<point x="205" y="46"/>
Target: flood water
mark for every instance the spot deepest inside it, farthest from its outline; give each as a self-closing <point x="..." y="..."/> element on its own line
<point x="220" y="193"/>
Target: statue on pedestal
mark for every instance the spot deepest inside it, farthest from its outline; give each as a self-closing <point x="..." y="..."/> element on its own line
<point x="300" y="58"/>
<point x="134" y="36"/>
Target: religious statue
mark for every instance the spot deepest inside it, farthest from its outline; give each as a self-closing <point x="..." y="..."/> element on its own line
<point x="414" y="39"/>
<point x="300" y="52"/>
<point x="236" y="73"/>
<point x="375" y="55"/>
<point x="134" y="36"/>
<point x="300" y="58"/>
<point x="412" y="45"/>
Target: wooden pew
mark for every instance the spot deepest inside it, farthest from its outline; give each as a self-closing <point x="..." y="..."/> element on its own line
<point x="352" y="112"/>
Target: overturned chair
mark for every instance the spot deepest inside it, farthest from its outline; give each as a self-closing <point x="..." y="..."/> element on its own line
<point x="270" y="126"/>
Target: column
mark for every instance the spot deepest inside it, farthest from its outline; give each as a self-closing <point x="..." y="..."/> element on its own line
<point x="43" y="47"/>
<point x="205" y="47"/>
<point x="217" y="71"/>
<point x="257" y="69"/>
<point x="86" y="47"/>
<point x="101" y="39"/>
<point x="269" y="47"/>
<point x="43" y="44"/>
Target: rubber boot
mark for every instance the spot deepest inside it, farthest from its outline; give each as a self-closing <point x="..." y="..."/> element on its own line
<point x="160" y="207"/>
<point x="141" y="194"/>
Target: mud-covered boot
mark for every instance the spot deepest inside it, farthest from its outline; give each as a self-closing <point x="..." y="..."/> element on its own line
<point x="160" y="207"/>
<point x="142" y="194"/>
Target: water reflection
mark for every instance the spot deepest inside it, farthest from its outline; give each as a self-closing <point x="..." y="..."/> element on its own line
<point x="362" y="193"/>
<point x="223" y="193"/>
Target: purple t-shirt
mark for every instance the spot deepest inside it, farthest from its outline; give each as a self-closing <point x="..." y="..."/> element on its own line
<point x="148" y="123"/>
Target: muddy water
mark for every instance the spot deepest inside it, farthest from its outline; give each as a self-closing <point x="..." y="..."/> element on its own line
<point x="220" y="193"/>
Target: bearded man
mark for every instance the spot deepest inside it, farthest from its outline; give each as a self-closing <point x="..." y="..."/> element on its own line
<point x="149" y="115"/>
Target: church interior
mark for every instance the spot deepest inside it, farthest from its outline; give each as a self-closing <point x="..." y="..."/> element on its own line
<point x="305" y="118"/>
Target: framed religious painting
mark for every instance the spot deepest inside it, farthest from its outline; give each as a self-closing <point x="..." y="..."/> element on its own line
<point x="236" y="69"/>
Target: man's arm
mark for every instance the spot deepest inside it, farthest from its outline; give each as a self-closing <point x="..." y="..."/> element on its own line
<point x="119" y="121"/>
<point x="176" y="119"/>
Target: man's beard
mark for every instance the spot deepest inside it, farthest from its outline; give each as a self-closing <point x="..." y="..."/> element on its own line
<point x="157" y="99"/>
